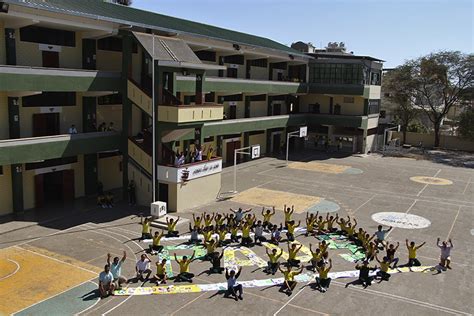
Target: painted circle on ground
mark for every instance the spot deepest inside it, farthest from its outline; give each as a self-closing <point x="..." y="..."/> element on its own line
<point x="472" y="232"/>
<point x="324" y="206"/>
<point x="353" y="171"/>
<point x="401" y="220"/>
<point x="431" y="180"/>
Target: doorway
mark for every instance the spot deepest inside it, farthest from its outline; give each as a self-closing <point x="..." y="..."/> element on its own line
<point x="54" y="187"/>
<point x="230" y="148"/>
<point x="277" y="109"/>
<point x="50" y="59"/>
<point x="276" y="147"/>
<point x="45" y="124"/>
<point x="163" y="192"/>
<point x="232" y="112"/>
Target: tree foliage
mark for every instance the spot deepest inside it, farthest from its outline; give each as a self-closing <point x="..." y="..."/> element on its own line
<point x="123" y="2"/>
<point x="466" y="124"/>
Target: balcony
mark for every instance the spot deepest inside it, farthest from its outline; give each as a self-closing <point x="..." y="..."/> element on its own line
<point x="137" y="151"/>
<point x="190" y="113"/>
<point x="189" y="172"/>
<point x="139" y="97"/>
<point x="26" y="150"/>
<point x="19" y="78"/>
<point x="366" y="91"/>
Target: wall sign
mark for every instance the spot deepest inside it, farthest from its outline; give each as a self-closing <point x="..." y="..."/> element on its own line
<point x="189" y="172"/>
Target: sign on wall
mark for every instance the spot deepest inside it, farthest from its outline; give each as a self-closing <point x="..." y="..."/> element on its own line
<point x="189" y="172"/>
<point x="255" y="151"/>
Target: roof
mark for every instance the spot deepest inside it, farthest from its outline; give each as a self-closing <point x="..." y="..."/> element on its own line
<point x="106" y="11"/>
<point x="340" y="55"/>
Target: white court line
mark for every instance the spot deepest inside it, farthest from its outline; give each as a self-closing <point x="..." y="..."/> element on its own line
<point x="187" y="304"/>
<point x="404" y="299"/>
<point x="96" y="302"/>
<point x="294" y="296"/>
<point x="454" y="222"/>
<point x="467" y="185"/>
<point x="365" y="203"/>
<point x="408" y="210"/>
<point x="14" y="272"/>
<point x="426" y="185"/>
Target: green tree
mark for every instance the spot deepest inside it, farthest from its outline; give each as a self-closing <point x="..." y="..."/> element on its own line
<point x="466" y="124"/>
<point x="439" y="80"/>
<point x="398" y="84"/>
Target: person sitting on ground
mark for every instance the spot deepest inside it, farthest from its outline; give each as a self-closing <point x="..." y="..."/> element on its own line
<point x="323" y="246"/>
<point x="384" y="266"/>
<point x="250" y="219"/>
<point x="366" y="242"/>
<point x="342" y="225"/>
<point x="412" y="248"/>
<point x="232" y="286"/>
<point x="234" y="229"/>
<point x="197" y="221"/>
<point x="292" y="252"/>
<point x="246" y="240"/>
<point x="116" y="270"/>
<point x="360" y="237"/>
<point x="380" y="235"/>
<point x="194" y="235"/>
<point x="391" y="249"/>
<point x="221" y="232"/>
<point x="322" y="280"/>
<point x="230" y="219"/>
<point x="364" y="274"/>
<point x="445" y="257"/>
<point x="184" y="274"/>
<point x="210" y="249"/>
<point x="330" y="220"/>
<point x="258" y="229"/>
<point x="156" y="244"/>
<point x="146" y="234"/>
<point x="106" y="282"/>
<point x="219" y="219"/>
<point x="216" y="260"/>
<point x="208" y="219"/>
<point x="172" y="232"/>
<point x="267" y="217"/>
<point x="289" y="283"/>
<point x="207" y="234"/>
<point x="143" y="267"/>
<point x="288" y="214"/>
<point x="161" y="276"/>
<point x="276" y="235"/>
<point x="109" y="199"/>
<point x="291" y="226"/>
<point x="101" y="201"/>
<point x="273" y="263"/>
<point x="239" y="214"/>
<point x="371" y="251"/>
<point x="321" y="223"/>
<point x="350" y="229"/>
<point x="316" y="257"/>
<point x="310" y="221"/>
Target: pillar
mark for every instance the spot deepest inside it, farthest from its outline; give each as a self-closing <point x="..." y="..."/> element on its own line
<point x="14" y="117"/>
<point x="10" y="46"/>
<point x="199" y="88"/>
<point x="17" y="187"/>
<point x="89" y="114"/>
<point x="126" y="108"/>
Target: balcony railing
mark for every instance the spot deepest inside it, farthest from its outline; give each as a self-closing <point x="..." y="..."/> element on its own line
<point x="189" y="172"/>
<point x="191" y="113"/>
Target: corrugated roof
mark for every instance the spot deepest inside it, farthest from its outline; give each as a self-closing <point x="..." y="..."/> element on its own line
<point x="98" y="9"/>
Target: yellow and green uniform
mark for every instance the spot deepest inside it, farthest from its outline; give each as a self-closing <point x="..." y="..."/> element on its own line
<point x="246" y="231"/>
<point x="157" y="240"/>
<point x="160" y="270"/>
<point x="267" y="217"/>
<point x="172" y="226"/>
<point x="146" y="227"/>
<point x="184" y="266"/>
<point x="290" y="275"/>
<point x="411" y="252"/>
<point x="323" y="248"/>
<point x="361" y="236"/>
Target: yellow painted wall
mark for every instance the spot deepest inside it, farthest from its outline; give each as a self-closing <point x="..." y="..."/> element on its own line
<point x="29" y="183"/>
<point x="448" y="142"/>
<point x="261" y="140"/>
<point x="323" y="100"/>
<point x="108" y="60"/>
<point x="258" y="108"/>
<point x="375" y="92"/>
<point x="3" y="53"/>
<point x="139" y="98"/>
<point x="4" y="125"/>
<point x="109" y="172"/>
<point x="136" y="120"/>
<point x="143" y="186"/>
<point x="356" y="108"/>
<point x="6" y="201"/>
<point x="258" y="73"/>
<point x="69" y="115"/>
<point x="240" y="113"/>
<point x="141" y="157"/>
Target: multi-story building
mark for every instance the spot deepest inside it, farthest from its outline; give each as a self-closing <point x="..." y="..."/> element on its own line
<point x="109" y="71"/>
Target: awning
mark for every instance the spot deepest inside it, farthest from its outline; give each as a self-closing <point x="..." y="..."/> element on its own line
<point x="172" y="52"/>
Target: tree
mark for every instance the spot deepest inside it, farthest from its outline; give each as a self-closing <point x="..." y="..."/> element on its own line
<point x="439" y="80"/>
<point x="123" y="2"/>
<point x="397" y="83"/>
<point x="466" y="124"/>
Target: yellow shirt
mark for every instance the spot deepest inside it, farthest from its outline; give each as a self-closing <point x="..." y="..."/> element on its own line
<point x="323" y="273"/>
<point x="350" y="230"/>
<point x="220" y="221"/>
<point x="292" y="253"/>
<point x="321" y="224"/>
<point x="384" y="266"/>
<point x="207" y="235"/>
<point x="222" y="234"/>
<point x="330" y="224"/>
<point x="160" y="270"/>
<point x="290" y="275"/>
<point x="288" y="216"/>
<point x="267" y="217"/>
<point x="291" y="228"/>
<point x="210" y="247"/>
<point x="156" y="240"/>
<point x="184" y="266"/>
<point x="172" y="226"/>
<point x="316" y="256"/>
<point x="234" y="230"/>
<point x="207" y="222"/>
<point x="197" y="222"/>
<point x="310" y="225"/>
<point x="274" y="258"/>
<point x="411" y="252"/>
<point x="246" y="231"/>
<point x="146" y="227"/>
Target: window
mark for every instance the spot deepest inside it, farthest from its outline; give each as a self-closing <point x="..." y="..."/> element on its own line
<point x="51" y="163"/>
<point x="188" y="99"/>
<point x="209" y="139"/>
<point x="348" y="99"/>
<point x="375" y="78"/>
<point x="233" y="97"/>
<point x="210" y="97"/>
<point x="206" y="55"/>
<point x="315" y="108"/>
<point x="334" y="73"/>
<point x="337" y="109"/>
<point x="50" y="99"/>
<point x="232" y="72"/>
<point x="259" y="63"/>
<point x="382" y="114"/>
<point x="113" y="44"/>
<point x="234" y="59"/>
<point x="374" y="106"/>
<point x="110" y="99"/>
<point x="36" y="34"/>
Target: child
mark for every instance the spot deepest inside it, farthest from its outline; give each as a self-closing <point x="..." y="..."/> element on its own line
<point x="316" y="257"/>
<point x="160" y="276"/>
<point x="155" y="246"/>
<point x="184" y="274"/>
<point x="289" y="284"/>
<point x="194" y="235"/>
<point x="246" y="240"/>
<point x="267" y="216"/>
<point x="146" y="234"/>
<point x="259" y="233"/>
<point x="216" y="263"/>
<point x="310" y="221"/>
<point x="391" y="249"/>
<point x="232" y="286"/>
<point x="412" y="248"/>
<point x="292" y="252"/>
<point x="276" y="235"/>
<point x="273" y="263"/>
<point x="291" y="226"/>
<point x="445" y="257"/>
<point x="384" y="265"/>
<point x="288" y="213"/>
<point x="222" y="232"/>
<point x="323" y="281"/>
<point x="210" y="248"/>
<point x="109" y="200"/>
<point x="172" y="232"/>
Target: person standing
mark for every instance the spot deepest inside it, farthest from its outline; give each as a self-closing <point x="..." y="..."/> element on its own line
<point x="445" y="257"/>
<point x="232" y="286"/>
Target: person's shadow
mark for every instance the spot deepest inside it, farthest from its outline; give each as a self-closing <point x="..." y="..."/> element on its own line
<point x="91" y="296"/>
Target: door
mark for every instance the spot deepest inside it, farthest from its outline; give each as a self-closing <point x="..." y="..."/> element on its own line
<point x="276" y="109"/>
<point x="50" y="59"/>
<point x="230" y="148"/>
<point x="276" y="143"/>
<point x="39" y="191"/>
<point x="88" y="54"/>
<point x="45" y="124"/>
<point x="233" y="112"/>
<point x="163" y="192"/>
<point x="68" y="185"/>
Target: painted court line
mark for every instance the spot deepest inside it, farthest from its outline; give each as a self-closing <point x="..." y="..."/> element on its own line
<point x="92" y="306"/>
<point x="14" y="272"/>
<point x="280" y="302"/>
<point x="454" y="222"/>
<point x="404" y="299"/>
<point x="294" y="296"/>
<point x="426" y="185"/>
<point x="187" y="304"/>
<point x="467" y="185"/>
<point x="373" y="196"/>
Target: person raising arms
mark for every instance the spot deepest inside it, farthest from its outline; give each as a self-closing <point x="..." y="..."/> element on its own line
<point x="172" y="232"/>
<point x="288" y="214"/>
<point x="289" y="283"/>
<point x="412" y="248"/>
<point x="292" y="252"/>
<point x="322" y="280"/>
<point x="184" y="274"/>
<point x="273" y="263"/>
<point x="267" y="217"/>
<point x="232" y="286"/>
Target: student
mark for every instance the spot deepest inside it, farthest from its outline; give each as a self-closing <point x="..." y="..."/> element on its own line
<point x="342" y="225"/>
<point x="250" y="219"/>
<point x="219" y="219"/>
<point x="288" y="213"/>
<point x="273" y="263"/>
<point x="267" y="217"/>
<point x="316" y="257"/>
<point x="239" y="214"/>
<point x="234" y="229"/>
<point x="222" y="233"/>
<point x="323" y="246"/>
<point x="232" y="286"/>
<point x="146" y="228"/>
<point x="184" y="274"/>
<point x="412" y="248"/>
<point x="445" y="257"/>
<point x="276" y="235"/>
<point x="330" y="220"/>
<point x="291" y="226"/>
<point x="370" y="251"/>
<point x="289" y="283"/>
<point x="360" y="237"/>
<point x="350" y="229"/>
<point x="323" y="281"/>
<point x="207" y="234"/>
<point x="197" y="221"/>
<point x="246" y="240"/>
<point x="172" y="232"/>
<point x="364" y="273"/>
<point x="310" y="221"/>
<point x="208" y="219"/>
<point x="258" y="229"/>
<point x="321" y="223"/>
<point x="109" y="199"/>
<point x="216" y="259"/>
<point x="384" y="266"/>
<point x="116" y="270"/>
<point x="106" y="282"/>
<point x="156" y="245"/>
<point x="391" y="249"/>
<point x="380" y="235"/>
<point x="161" y="276"/>
<point x="210" y="249"/>
<point x="143" y="267"/>
<point x="230" y="219"/>
<point x="292" y="252"/>
<point x="72" y="129"/>
<point x="194" y="235"/>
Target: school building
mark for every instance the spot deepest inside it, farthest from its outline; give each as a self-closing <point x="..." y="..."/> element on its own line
<point x="109" y="70"/>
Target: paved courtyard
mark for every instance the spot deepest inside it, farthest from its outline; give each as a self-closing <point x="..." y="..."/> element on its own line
<point x="51" y="268"/>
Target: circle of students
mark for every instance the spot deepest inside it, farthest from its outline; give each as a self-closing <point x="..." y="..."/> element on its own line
<point x="240" y="223"/>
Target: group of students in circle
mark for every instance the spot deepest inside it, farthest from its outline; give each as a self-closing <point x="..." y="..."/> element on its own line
<point x="240" y="225"/>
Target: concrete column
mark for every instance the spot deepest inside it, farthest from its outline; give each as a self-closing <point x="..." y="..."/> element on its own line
<point x="199" y="87"/>
<point x="17" y="187"/>
<point x="14" y="117"/>
<point x="10" y="46"/>
<point x="126" y="107"/>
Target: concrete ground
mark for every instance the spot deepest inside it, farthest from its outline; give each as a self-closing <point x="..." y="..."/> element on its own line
<point x="51" y="268"/>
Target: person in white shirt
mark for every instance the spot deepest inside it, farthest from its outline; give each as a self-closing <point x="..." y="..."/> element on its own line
<point x="72" y="129"/>
<point x="380" y="235"/>
<point x="143" y="267"/>
<point x="232" y="286"/>
<point x="116" y="269"/>
<point x="445" y="257"/>
<point x="258" y="229"/>
<point x="198" y="154"/>
<point x="106" y="284"/>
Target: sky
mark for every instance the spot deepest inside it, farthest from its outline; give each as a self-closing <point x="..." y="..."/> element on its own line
<point x="392" y="30"/>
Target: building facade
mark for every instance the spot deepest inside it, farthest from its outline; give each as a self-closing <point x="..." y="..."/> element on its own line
<point x="82" y="81"/>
